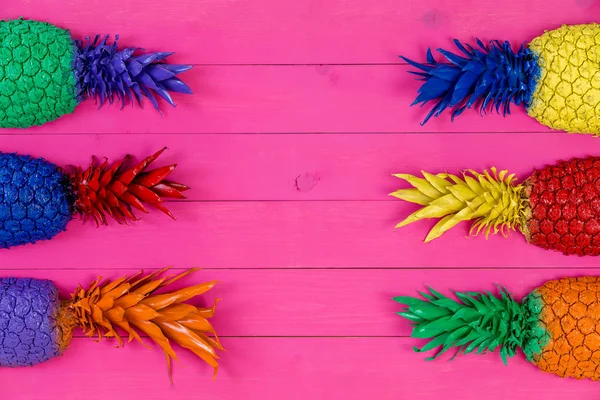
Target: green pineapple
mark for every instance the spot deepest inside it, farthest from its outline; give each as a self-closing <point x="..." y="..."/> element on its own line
<point x="45" y="74"/>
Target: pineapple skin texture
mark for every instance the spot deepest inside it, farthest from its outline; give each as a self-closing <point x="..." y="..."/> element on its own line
<point x="35" y="201"/>
<point x="29" y="331"/>
<point x="564" y="207"/>
<point x="567" y="96"/>
<point x="571" y="315"/>
<point x="37" y="79"/>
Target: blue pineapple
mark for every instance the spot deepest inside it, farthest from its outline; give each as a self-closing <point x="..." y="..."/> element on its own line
<point x="38" y="198"/>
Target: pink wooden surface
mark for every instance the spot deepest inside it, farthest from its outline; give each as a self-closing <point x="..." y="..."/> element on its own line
<point x="283" y="99"/>
<point x="299" y="118"/>
<point x="303" y="32"/>
<point x="298" y="167"/>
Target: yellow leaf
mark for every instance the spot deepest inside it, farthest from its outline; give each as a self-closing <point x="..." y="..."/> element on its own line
<point x="408" y="220"/>
<point x="473" y="185"/>
<point x="420" y="184"/>
<point x="462" y="192"/>
<point x="448" y="203"/>
<point x="438" y="230"/>
<point x="412" y="196"/>
<point x="439" y="183"/>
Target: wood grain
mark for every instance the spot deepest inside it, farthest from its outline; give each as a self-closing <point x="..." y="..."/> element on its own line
<point x="322" y="302"/>
<point x="285" y="99"/>
<point x="300" y="167"/>
<point x="290" y="368"/>
<point x="303" y="32"/>
<point x="300" y="114"/>
<point x="273" y="234"/>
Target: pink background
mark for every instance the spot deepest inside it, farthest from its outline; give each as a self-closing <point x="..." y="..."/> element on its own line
<point x="300" y="116"/>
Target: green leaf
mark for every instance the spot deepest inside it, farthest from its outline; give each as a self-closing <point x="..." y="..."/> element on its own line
<point x="448" y="303"/>
<point x="470" y="337"/>
<point x="456" y="353"/>
<point x="467" y="314"/>
<point x="485" y="321"/>
<point x="458" y="334"/>
<point x="503" y="329"/>
<point x="474" y="344"/>
<point x="480" y="307"/>
<point x="484" y="345"/>
<point x="436" y="293"/>
<point x="410" y="316"/>
<point x="439" y="353"/>
<point x="433" y="343"/>
<point x="428" y="311"/>
<point x="488" y="303"/>
<point x="466" y="299"/>
<point x="494" y="344"/>
<point x="409" y="301"/>
<point x="503" y="355"/>
<point x="435" y="328"/>
<point x="428" y="296"/>
<point x="497" y="303"/>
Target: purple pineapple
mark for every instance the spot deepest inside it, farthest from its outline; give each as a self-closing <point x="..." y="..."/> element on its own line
<point x="28" y="321"/>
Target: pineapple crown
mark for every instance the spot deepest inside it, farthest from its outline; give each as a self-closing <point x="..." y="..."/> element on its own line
<point x="492" y="200"/>
<point x="106" y="73"/>
<point x="478" y="322"/>
<point x="486" y="77"/>
<point x="116" y="190"/>
<point x="131" y="304"/>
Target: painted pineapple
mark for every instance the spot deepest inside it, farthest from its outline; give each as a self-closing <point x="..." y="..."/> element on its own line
<point x="45" y="74"/>
<point x="557" y="207"/>
<point x="557" y="325"/>
<point x="38" y="198"/>
<point x="37" y="325"/>
<point x="556" y="78"/>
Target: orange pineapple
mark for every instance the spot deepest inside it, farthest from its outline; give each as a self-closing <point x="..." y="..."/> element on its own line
<point x="557" y="326"/>
<point x="37" y="325"/>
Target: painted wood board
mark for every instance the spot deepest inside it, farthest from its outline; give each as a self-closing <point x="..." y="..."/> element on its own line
<point x="290" y="368"/>
<point x="282" y="234"/>
<point x="285" y="99"/>
<point x="308" y="167"/>
<point x="319" y="302"/>
<point x="301" y="113"/>
<point x="303" y="32"/>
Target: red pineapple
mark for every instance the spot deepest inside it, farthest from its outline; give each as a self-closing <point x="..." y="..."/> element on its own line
<point x="557" y="207"/>
<point x="115" y="190"/>
<point x="38" y="198"/>
<point x="565" y="207"/>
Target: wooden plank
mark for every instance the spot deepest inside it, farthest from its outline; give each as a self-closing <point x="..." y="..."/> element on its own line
<point x="306" y="234"/>
<point x="321" y="302"/>
<point x="302" y="32"/>
<point x="310" y="167"/>
<point x="286" y="368"/>
<point x="286" y="99"/>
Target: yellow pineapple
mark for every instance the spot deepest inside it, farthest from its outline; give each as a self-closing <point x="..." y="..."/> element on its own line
<point x="556" y="78"/>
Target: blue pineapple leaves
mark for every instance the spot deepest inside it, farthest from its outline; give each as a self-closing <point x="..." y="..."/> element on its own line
<point x="107" y="74"/>
<point x="486" y="77"/>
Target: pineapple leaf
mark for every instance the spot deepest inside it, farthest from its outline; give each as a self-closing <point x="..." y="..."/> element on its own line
<point x="433" y="343"/>
<point x="437" y="327"/>
<point x="476" y="322"/>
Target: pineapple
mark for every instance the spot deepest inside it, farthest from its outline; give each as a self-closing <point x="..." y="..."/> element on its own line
<point x="557" y="207"/>
<point x="37" y="325"/>
<point x="38" y="198"/>
<point x="556" y="78"/>
<point x="45" y="74"/>
<point x="557" y="326"/>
